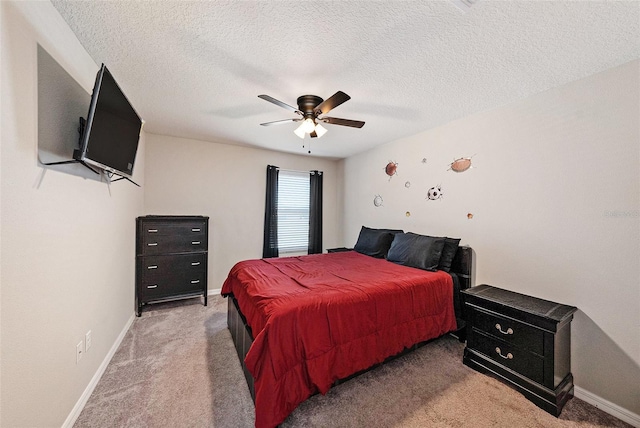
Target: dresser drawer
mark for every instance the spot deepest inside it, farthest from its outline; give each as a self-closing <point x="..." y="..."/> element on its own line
<point x="513" y="332"/>
<point x="517" y="359"/>
<point x="177" y="239"/>
<point x="155" y="228"/>
<point x="163" y="276"/>
<point x="166" y="288"/>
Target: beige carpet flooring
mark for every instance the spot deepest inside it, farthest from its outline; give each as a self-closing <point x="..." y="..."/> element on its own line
<point x="177" y="367"/>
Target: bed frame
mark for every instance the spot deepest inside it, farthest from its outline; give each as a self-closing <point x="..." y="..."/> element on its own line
<point x="463" y="266"/>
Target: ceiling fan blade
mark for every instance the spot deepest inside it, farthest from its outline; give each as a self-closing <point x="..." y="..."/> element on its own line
<point x="280" y="122"/>
<point x="280" y="103"/>
<point x="343" y="122"/>
<point x="330" y="103"/>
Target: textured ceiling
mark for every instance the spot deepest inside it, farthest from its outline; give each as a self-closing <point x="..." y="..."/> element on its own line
<point x="195" y="69"/>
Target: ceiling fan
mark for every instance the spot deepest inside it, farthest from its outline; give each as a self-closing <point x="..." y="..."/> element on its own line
<point x="310" y="107"/>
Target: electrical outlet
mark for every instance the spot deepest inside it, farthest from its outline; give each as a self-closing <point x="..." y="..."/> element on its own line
<point x="79" y="351"/>
<point x="87" y="341"/>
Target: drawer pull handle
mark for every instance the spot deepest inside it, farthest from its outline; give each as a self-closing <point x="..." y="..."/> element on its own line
<point x="152" y="230"/>
<point x="152" y="286"/>
<point x="152" y="267"/>
<point x="195" y="242"/>
<point x="195" y="281"/>
<point x="195" y="263"/>
<point x="509" y="356"/>
<point x="195" y="230"/>
<point x="499" y="328"/>
<point x="153" y="244"/>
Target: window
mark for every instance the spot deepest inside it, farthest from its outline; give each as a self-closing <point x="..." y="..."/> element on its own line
<point x="293" y="211"/>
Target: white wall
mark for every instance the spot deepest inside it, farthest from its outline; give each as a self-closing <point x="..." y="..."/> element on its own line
<point x="555" y="194"/>
<point x="227" y="183"/>
<point x="67" y="244"/>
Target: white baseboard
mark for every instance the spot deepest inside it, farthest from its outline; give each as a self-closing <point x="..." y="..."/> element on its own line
<point x="211" y="292"/>
<point x="77" y="409"/>
<point x="607" y="406"/>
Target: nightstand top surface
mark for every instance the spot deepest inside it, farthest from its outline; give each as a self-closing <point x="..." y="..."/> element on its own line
<point x="533" y="305"/>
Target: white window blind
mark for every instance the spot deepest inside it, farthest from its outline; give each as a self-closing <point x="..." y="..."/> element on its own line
<point x="293" y="211"/>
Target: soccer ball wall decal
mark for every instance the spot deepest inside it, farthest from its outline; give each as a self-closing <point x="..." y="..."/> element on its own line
<point x="434" y="193"/>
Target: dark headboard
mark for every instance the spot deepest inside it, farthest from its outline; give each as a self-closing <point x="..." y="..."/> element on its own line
<point x="465" y="267"/>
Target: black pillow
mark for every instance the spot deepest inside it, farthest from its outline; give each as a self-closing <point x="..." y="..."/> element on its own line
<point x="419" y="251"/>
<point x="448" y="253"/>
<point x="375" y="242"/>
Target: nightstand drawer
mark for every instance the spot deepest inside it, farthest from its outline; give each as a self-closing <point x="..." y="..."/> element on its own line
<point x="518" y="360"/>
<point x="515" y="333"/>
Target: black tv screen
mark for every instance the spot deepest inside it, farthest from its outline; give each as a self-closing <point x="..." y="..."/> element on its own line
<point x="112" y="131"/>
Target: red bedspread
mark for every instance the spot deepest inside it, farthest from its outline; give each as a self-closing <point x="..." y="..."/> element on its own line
<point x="323" y="317"/>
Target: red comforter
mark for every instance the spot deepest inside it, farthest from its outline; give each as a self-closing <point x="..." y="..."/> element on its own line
<point x="323" y="317"/>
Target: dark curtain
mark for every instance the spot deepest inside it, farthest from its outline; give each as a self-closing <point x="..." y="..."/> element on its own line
<point x="270" y="243"/>
<point x="315" y="213"/>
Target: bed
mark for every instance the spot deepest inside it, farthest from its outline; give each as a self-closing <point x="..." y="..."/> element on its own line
<point x="303" y="324"/>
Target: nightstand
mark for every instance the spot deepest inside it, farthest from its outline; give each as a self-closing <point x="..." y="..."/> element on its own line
<point x="522" y="340"/>
<point x="338" y="250"/>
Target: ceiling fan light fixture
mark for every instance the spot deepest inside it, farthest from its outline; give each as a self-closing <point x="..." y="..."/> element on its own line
<point x="308" y="125"/>
<point x="299" y="131"/>
<point x="310" y="108"/>
<point x="320" y="130"/>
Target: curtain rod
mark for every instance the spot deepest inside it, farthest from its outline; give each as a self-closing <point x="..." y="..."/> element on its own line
<point x="295" y="170"/>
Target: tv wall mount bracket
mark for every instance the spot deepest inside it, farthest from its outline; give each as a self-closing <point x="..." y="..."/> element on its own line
<point x="77" y="158"/>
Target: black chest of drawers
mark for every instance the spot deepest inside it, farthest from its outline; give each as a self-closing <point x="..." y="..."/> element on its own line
<point x="523" y="340"/>
<point x="171" y="258"/>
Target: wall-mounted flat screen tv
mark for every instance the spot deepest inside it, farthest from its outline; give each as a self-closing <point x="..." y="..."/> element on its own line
<point x="112" y="130"/>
